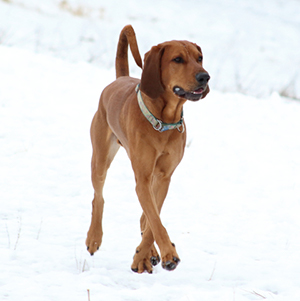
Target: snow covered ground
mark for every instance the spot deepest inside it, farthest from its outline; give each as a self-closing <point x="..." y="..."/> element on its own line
<point x="249" y="46"/>
<point x="234" y="202"/>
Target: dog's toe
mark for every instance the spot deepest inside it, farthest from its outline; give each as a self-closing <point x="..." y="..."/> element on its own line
<point x="169" y="266"/>
<point x="134" y="270"/>
<point x="155" y="260"/>
<point x="92" y="247"/>
<point x="176" y="260"/>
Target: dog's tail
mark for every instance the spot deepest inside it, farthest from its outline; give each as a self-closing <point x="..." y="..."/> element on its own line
<point x="127" y="36"/>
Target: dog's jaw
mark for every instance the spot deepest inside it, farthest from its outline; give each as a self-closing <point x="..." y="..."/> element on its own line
<point x="193" y="95"/>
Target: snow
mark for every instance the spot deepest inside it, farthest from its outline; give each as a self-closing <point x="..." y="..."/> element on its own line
<point x="249" y="46"/>
<point x="234" y="201"/>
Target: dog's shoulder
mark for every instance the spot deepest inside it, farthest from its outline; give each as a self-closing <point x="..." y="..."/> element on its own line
<point x="119" y="92"/>
<point x="123" y="83"/>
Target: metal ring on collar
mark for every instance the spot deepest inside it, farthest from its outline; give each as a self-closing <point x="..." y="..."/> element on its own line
<point x="158" y="126"/>
<point x="183" y="128"/>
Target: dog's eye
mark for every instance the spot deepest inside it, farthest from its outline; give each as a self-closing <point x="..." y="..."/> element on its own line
<point x="178" y="60"/>
<point x="200" y="59"/>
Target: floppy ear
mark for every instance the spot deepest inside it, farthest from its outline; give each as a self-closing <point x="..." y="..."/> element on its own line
<point x="198" y="47"/>
<point x="151" y="83"/>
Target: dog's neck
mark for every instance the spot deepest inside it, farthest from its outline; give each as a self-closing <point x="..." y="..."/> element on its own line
<point x="167" y="108"/>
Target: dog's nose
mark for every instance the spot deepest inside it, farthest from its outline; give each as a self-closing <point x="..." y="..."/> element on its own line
<point x="202" y="78"/>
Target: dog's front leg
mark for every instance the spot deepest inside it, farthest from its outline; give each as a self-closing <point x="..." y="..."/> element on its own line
<point x="145" y="179"/>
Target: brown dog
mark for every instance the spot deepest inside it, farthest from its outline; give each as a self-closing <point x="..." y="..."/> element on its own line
<point x="145" y="117"/>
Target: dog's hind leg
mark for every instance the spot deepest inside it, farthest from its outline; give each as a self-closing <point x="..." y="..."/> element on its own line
<point x="105" y="146"/>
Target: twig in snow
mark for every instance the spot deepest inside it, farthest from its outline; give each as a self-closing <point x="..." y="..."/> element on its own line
<point x="255" y="293"/>
<point x="213" y="271"/>
<point x="38" y="235"/>
<point x="88" y="291"/>
<point x="83" y="267"/>
<point x="8" y="237"/>
<point x="19" y="232"/>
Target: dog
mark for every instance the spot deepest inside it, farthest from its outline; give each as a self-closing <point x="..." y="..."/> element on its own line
<point x="146" y="118"/>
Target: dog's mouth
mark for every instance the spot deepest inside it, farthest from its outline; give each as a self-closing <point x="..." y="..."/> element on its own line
<point x="189" y="95"/>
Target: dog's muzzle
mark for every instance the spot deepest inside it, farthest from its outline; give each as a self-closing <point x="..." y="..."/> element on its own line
<point x="196" y="94"/>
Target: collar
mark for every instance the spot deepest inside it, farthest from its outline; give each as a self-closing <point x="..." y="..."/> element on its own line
<point x="157" y="124"/>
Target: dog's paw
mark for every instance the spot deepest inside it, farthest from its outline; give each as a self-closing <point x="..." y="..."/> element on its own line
<point x="142" y="266"/>
<point x="171" y="260"/>
<point x="93" y="242"/>
<point x="144" y="263"/>
<point x="170" y="265"/>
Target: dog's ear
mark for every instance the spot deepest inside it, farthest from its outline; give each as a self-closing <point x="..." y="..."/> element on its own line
<point x="198" y="47"/>
<point x="151" y="83"/>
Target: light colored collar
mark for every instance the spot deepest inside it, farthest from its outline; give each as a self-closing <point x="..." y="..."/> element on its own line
<point x="157" y="124"/>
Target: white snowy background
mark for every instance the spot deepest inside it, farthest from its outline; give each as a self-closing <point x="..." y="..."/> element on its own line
<point x="234" y="203"/>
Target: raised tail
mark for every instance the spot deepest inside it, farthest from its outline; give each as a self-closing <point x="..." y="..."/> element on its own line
<point x="127" y="36"/>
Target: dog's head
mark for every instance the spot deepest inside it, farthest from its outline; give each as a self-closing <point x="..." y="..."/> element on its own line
<point x="175" y="66"/>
